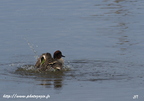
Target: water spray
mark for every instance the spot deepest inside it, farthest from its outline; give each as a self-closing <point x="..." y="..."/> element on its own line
<point x="32" y="48"/>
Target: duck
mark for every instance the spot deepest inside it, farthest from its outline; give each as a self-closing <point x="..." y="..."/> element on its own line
<point x="47" y="62"/>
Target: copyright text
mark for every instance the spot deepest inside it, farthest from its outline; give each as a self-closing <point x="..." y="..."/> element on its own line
<point x="30" y="96"/>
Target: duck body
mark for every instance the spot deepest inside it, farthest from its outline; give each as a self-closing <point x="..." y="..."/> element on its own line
<point x="46" y="62"/>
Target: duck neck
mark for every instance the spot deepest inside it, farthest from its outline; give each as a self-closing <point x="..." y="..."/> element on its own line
<point x="60" y="60"/>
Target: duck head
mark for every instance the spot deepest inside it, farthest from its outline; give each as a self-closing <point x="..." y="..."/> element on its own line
<point x="44" y="60"/>
<point x="58" y="54"/>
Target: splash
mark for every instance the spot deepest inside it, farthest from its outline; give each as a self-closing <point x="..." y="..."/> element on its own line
<point x="31" y="46"/>
<point x="31" y="70"/>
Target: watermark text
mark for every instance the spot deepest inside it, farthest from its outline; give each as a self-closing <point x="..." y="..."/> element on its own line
<point x="30" y="96"/>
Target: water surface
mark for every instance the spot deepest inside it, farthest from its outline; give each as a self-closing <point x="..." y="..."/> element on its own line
<point x="102" y="41"/>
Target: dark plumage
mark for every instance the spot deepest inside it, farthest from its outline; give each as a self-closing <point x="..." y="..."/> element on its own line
<point x="46" y="62"/>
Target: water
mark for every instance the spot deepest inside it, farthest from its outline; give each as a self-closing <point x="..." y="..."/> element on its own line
<point x="102" y="41"/>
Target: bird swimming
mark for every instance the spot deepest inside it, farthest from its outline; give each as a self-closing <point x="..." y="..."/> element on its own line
<point x="46" y="62"/>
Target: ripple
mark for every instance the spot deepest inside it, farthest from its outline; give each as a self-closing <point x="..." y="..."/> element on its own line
<point x="84" y="70"/>
<point x="94" y="70"/>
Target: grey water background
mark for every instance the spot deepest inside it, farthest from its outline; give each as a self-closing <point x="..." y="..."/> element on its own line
<point x="101" y="39"/>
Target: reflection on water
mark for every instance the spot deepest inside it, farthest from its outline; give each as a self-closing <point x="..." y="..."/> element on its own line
<point x="49" y="79"/>
<point x="56" y="83"/>
<point x="117" y="1"/>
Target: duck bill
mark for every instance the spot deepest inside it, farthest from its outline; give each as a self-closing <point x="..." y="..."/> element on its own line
<point x="63" y="56"/>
